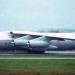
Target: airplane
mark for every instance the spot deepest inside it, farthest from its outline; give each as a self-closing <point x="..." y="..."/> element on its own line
<point x="36" y="42"/>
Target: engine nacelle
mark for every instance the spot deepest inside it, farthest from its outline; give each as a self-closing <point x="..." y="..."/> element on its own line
<point x="38" y="44"/>
<point x="22" y="41"/>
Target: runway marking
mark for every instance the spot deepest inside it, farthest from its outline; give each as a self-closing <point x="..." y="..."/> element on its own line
<point x="37" y="58"/>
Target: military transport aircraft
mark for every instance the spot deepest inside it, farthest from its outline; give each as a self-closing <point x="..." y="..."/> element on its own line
<point x="36" y="41"/>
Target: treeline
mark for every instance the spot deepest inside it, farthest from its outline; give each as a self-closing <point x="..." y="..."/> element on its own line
<point x="58" y="30"/>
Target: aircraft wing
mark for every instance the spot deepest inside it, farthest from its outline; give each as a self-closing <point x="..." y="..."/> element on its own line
<point x="51" y="36"/>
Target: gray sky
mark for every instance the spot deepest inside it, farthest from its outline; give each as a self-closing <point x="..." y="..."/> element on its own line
<point x="33" y="15"/>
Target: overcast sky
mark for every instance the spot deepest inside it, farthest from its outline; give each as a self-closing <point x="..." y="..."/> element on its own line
<point x="32" y="15"/>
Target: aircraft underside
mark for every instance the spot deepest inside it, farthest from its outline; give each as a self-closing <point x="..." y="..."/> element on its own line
<point x="54" y="45"/>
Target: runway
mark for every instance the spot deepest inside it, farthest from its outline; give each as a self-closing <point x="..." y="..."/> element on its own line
<point x="46" y="55"/>
<point x="62" y="52"/>
<point x="37" y="58"/>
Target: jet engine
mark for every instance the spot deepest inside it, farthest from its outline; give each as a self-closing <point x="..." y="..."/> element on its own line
<point x="39" y="44"/>
<point x="23" y="40"/>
